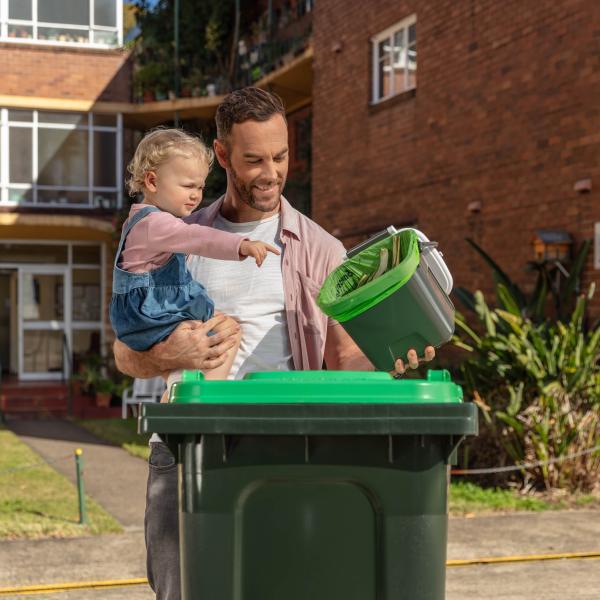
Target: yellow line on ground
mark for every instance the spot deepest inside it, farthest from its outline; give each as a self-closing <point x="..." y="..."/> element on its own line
<point x="64" y="587"/>
<point x="494" y="560"/>
<point x="80" y="585"/>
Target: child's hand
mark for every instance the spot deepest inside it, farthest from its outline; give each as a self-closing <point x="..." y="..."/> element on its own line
<point x="258" y="250"/>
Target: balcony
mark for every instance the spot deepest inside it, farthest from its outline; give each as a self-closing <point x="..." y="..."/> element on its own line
<point x="291" y="80"/>
<point x="274" y="53"/>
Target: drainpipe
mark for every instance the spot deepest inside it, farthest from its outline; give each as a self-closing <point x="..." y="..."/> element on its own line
<point x="234" y="45"/>
<point x="177" y="71"/>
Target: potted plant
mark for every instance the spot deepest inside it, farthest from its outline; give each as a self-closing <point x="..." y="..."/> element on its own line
<point x="148" y="96"/>
<point x="150" y="79"/>
<point x="89" y="373"/>
<point x="104" y="391"/>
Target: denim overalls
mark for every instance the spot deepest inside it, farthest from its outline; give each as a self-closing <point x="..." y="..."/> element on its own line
<point x="146" y="307"/>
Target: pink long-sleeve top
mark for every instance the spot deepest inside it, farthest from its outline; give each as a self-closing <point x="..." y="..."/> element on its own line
<point x="152" y="241"/>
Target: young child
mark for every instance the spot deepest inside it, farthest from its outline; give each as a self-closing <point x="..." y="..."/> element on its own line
<point x="153" y="292"/>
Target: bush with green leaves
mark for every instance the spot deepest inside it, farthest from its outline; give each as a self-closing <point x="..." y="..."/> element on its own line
<point x="536" y="381"/>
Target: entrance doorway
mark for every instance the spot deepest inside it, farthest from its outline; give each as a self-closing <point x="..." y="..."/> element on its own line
<point x="52" y="302"/>
<point x="44" y="313"/>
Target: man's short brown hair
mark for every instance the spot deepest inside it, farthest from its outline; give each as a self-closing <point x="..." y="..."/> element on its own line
<point x="247" y="104"/>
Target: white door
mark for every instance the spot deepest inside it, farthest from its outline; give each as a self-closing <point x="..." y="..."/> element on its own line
<point x="44" y="322"/>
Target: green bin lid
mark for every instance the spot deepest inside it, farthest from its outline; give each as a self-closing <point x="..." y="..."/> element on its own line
<point x="317" y="387"/>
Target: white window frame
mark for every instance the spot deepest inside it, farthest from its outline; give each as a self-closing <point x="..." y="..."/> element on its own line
<point x="389" y="35"/>
<point x="34" y="126"/>
<point x="34" y="24"/>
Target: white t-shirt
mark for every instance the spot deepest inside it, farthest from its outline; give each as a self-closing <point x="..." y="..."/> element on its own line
<point x="251" y="295"/>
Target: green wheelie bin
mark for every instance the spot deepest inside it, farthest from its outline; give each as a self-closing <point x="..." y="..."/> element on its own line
<point x="314" y="485"/>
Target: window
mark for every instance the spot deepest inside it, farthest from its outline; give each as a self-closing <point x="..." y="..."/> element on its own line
<point x="58" y="158"/>
<point x="97" y="22"/>
<point x="394" y="60"/>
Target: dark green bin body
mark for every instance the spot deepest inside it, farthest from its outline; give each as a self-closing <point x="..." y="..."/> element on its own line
<point x="313" y="501"/>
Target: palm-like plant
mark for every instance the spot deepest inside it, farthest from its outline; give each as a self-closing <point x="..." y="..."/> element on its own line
<point x="549" y="281"/>
<point x="534" y="373"/>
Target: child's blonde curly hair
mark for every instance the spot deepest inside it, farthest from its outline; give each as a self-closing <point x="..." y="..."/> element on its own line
<point x="157" y="147"/>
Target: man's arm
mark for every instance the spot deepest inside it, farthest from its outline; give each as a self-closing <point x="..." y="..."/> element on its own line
<point x="188" y="347"/>
<point x="342" y="353"/>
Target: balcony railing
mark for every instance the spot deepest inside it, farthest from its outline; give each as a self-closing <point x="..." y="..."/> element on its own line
<point x="262" y="59"/>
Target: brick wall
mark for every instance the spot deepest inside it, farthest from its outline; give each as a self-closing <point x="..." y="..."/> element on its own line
<point x="70" y="73"/>
<point x="505" y="113"/>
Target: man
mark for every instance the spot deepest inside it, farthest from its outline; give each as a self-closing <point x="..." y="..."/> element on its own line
<point x="282" y="327"/>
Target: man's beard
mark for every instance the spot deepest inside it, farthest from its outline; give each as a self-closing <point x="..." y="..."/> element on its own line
<point x="246" y="195"/>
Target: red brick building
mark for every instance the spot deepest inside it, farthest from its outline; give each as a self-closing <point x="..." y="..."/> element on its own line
<point x="472" y="119"/>
<point x="64" y="89"/>
<point x="67" y="130"/>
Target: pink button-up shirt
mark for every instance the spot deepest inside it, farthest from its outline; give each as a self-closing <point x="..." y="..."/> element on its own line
<point x="309" y="255"/>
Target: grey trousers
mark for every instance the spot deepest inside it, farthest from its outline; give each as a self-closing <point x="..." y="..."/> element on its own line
<point x="161" y="524"/>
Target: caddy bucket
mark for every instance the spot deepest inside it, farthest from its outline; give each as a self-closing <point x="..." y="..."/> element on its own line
<point x="391" y="295"/>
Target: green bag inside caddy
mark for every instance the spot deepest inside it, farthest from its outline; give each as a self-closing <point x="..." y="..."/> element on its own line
<point x="391" y="295"/>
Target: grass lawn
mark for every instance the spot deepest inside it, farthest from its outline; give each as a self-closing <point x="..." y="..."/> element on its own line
<point x="466" y="498"/>
<point x="121" y="432"/>
<point x="38" y="502"/>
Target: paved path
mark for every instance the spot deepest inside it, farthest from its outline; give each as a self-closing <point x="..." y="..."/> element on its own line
<point x="122" y="556"/>
<point x="117" y="481"/>
<point x="550" y="532"/>
<point x="113" y="477"/>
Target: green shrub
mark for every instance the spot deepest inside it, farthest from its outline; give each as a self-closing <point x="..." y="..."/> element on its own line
<point x="533" y="369"/>
<point x="538" y="388"/>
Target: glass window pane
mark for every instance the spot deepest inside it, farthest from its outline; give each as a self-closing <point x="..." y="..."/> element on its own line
<point x="412" y="34"/>
<point x="20" y="9"/>
<point x="20" y="31"/>
<point x="62" y="197"/>
<point x="105" y="120"/>
<point x="412" y="66"/>
<point x="86" y="295"/>
<point x="57" y="34"/>
<point x="62" y="157"/>
<point x="85" y="342"/>
<point x="63" y="118"/>
<point x="30" y="253"/>
<point x="42" y="351"/>
<point x="20" y="196"/>
<point x="398" y="47"/>
<point x="105" y="200"/>
<point x="86" y="255"/>
<point x="385" y="77"/>
<point x="25" y="116"/>
<point x="399" y="53"/>
<point x="105" y="13"/>
<point x="383" y="48"/>
<point x="105" y="172"/>
<point x="20" y="154"/>
<point x="110" y="38"/>
<point x="68" y="12"/>
<point x="43" y="297"/>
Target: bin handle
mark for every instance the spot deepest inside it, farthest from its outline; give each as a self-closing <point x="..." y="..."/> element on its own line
<point x="380" y="235"/>
<point x="425" y="246"/>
